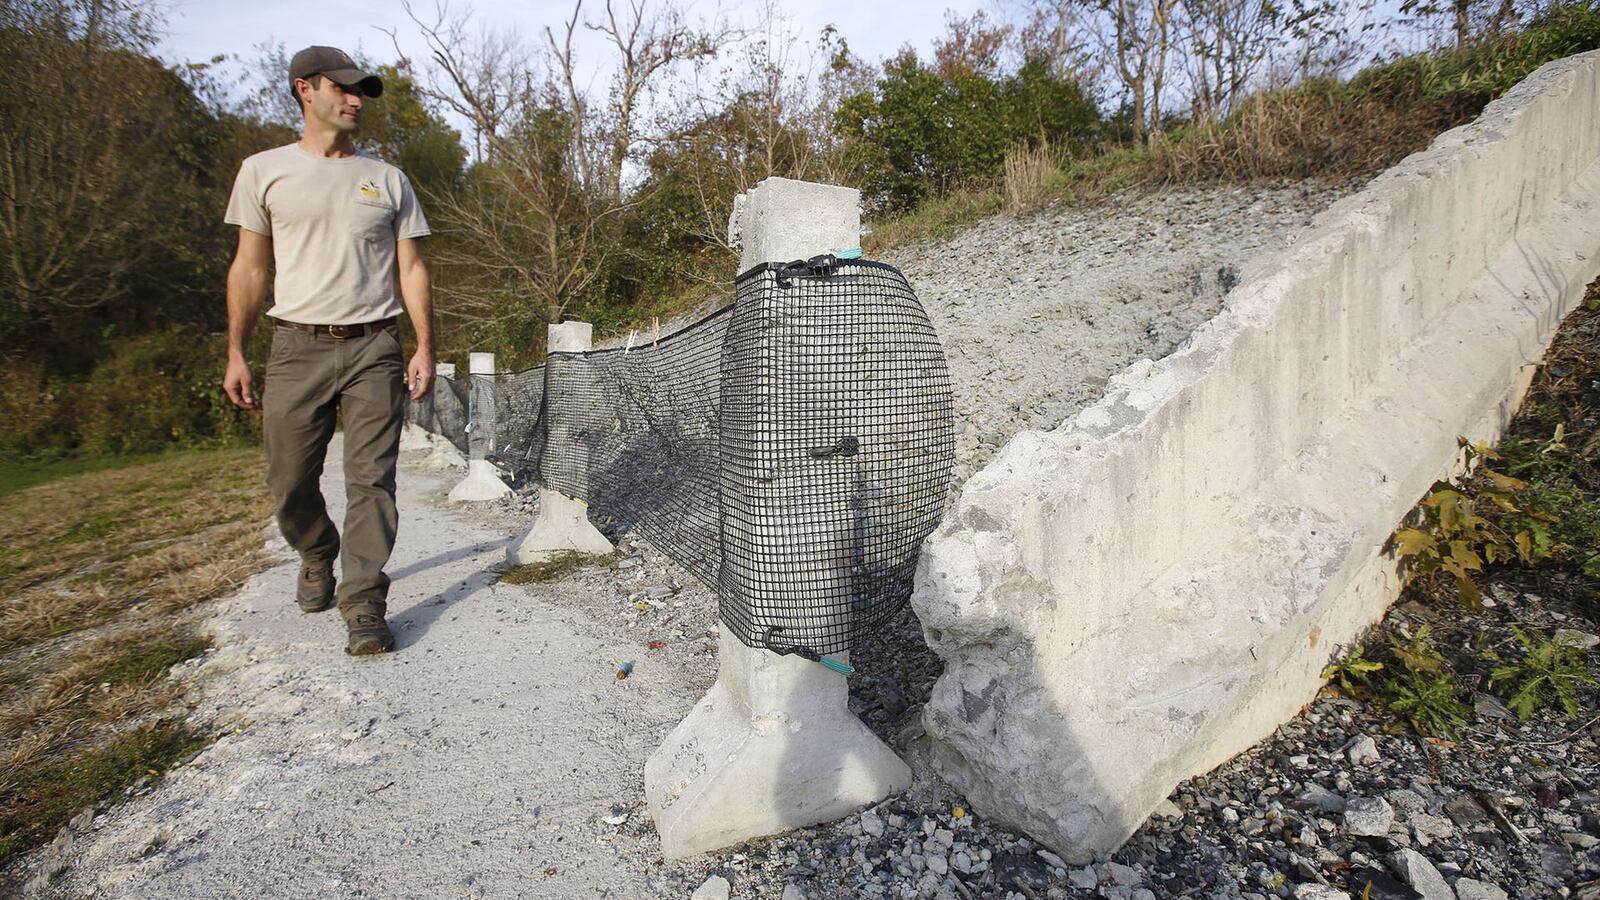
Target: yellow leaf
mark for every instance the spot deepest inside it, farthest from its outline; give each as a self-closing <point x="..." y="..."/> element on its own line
<point x="1461" y="552"/>
<point x="1505" y="482"/>
<point x="1524" y="545"/>
<point x="1411" y="541"/>
<point x="1469" y="592"/>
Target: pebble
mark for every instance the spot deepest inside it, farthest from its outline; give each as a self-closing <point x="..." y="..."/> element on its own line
<point x="792" y="891"/>
<point x="1415" y="870"/>
<point x="1123" y="875"/>
<point x="1317" y="891"/>
<point x="1363" y="751"/>
<point x="1317" y="796"/>
<point x="1083" y="879"/>
<point x="1473" y="889"/>
<point x="714" y="888"/>
<point x="872" y="823"/>
<point x="1369" y="816"/>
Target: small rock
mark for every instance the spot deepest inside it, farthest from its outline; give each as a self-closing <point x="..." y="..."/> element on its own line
<point x="1123" y="875"/>
<point x="1314" y="891"/>
<point x="1083" y="879"/>
<point x="1415" y="870"/>
<point x="1054" y="860"/>
<point x="1490" y="707"/>
<point x="1319" y="797"/>
<point x="1166" y="809"/>
<point x="1370" y="816"/>
<point x="1143" y="894"/>
<point x="715" y="888"/>
<point x="1572" y="637"/>
<point x="1429" y="828"/>
<point x="1466" y="811"/>
<point x="1362" y="751"/>
<point x="791" y="891"/>
<point x="872" y="823"/>
<point x="1473" y="889"/>
<point x="1407" y="803"/>
<point x="1230" y="815"/>
<point x="938" y="865"/>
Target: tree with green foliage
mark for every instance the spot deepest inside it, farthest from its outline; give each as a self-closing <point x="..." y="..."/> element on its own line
<point x="919" y="134"/>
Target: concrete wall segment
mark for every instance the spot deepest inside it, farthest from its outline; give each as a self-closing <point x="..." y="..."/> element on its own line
<point x="1168" y="572"/>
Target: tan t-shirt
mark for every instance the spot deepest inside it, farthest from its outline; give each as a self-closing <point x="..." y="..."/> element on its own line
<point x="333" y="224"/>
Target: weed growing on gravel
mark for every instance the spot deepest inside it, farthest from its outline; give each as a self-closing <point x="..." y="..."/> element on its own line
<point x="1547" y="669"/>
<point x="1423" y="690"/>
<point x="554" y="568"/>
<point x="1353" y="673"/>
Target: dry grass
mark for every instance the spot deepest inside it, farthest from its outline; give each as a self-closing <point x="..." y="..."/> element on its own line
<point x="102" y="571"/>
<point x="555" y="567"/>
<point x="1318" y="128"/>
<point x="1030" y="172"/>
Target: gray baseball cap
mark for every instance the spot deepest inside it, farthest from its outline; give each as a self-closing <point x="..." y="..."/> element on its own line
<point x="335" y="64"/>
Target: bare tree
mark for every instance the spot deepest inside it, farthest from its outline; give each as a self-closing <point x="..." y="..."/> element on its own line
<point x="88" y="180"/>
<point x="1139" y="39"/>
<point x="1225" y="42"/>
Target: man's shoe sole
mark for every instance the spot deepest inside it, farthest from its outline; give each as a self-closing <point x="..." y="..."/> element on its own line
<point x="315" y="607"/>
<point x="370" y="646"/>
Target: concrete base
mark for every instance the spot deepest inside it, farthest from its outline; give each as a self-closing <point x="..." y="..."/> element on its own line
<point x="562" y="527"/>
<point x="482" y="483"/>
<point x="414" y="438"/>
<point x="772" y="746"/>
<point x="444" y="456"/>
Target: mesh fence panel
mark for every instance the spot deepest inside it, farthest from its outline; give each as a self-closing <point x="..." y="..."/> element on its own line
<point x="450" y="399"/>
<point x="516" y="442"/>
<point x="792" y="451"/>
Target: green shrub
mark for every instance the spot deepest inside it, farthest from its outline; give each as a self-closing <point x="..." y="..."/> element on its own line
<point x="161" y="390"/>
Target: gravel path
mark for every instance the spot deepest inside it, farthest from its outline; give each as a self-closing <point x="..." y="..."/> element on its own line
<point x="481" y="759"/>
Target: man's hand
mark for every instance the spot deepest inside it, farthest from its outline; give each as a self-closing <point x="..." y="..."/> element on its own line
<point x="237" y="384"/>
<point x="419" y="375"/>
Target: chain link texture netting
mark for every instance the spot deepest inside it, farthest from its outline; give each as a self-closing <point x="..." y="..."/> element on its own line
<point x="791" y="451"/>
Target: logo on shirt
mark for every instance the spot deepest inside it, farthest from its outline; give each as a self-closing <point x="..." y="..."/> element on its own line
<point x="369" y="189"/>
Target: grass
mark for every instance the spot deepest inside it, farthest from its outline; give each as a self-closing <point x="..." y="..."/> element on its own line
<point x="19" y="475"/>
<point x="554" y="568"/>
<point x="42" y="797"/>
<point x="107" y="561"/>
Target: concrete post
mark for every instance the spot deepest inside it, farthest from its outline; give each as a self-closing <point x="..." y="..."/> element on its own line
<point x="773" y="745"/>
<point x="563" y="523"/>
<point x="482" y="482"/>
<point x="444" y="455"/>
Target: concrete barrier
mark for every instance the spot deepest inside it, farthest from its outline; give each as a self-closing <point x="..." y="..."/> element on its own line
<point x="1153" y="587"/>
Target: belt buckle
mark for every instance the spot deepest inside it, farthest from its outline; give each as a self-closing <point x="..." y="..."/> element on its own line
<point x="339" y="332"/>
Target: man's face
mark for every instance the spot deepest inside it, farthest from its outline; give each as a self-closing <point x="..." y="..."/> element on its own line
<point x="336" y="106"/>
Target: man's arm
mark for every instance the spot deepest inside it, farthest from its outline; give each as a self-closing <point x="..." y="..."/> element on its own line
<point x="247" y="293"/>
<point x="416" y="292"/>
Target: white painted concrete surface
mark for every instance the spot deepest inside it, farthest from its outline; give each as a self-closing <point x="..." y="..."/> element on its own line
<point x="1140" y="594"/>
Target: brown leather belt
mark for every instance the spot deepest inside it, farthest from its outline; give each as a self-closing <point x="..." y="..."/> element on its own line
<point x="341" y="332"/>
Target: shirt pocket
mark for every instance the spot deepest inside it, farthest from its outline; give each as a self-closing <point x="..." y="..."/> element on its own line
<point x="372" y="220"/>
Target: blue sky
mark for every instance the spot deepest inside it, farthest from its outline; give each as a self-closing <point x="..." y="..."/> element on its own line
<point x="200" y="29"/>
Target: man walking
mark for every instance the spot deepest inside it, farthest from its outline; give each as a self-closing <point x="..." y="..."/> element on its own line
<point x="343" y="232"/>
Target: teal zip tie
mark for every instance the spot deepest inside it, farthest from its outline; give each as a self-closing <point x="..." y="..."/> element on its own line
<point x="834" y="664"/>
<point x="852" y="253"/>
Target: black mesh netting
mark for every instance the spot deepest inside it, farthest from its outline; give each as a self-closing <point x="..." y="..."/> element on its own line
<point x="792" y="450"/>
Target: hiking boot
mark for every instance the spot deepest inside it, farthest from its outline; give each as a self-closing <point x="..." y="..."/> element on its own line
<point x="369" y="634"/>
<point x="314" y="589"/>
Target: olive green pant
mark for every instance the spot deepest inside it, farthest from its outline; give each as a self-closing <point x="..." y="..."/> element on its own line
<point x="312" y="379"/>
